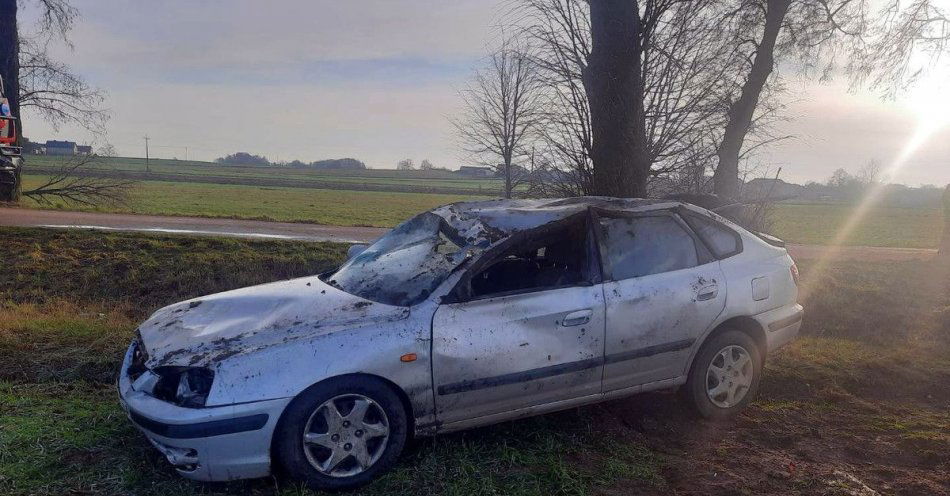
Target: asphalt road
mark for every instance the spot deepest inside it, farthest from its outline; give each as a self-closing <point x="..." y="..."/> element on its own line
<point x="23" y="217"/>
<point x="202" y="226"/>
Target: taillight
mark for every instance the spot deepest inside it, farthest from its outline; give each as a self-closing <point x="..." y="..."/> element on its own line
<point x="794" y="270"/>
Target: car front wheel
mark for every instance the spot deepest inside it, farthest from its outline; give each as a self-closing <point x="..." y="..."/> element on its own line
<point x="341" y="433"/>
<point x="725" y="375"/>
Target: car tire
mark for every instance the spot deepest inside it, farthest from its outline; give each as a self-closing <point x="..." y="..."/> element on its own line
<point x="729" y="361"/>
<point x="307" y="415"/>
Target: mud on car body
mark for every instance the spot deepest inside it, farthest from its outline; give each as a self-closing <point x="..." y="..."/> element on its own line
<point x="466" y="315"/>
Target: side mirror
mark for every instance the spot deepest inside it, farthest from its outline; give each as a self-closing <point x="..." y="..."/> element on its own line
<point x="355" y="250"/>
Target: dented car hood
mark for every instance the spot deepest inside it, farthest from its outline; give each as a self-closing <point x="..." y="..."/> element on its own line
<point x="206" y="330"/>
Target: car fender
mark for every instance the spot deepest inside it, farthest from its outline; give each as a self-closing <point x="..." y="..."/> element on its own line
<point x="739" y="272"/>
<point x="398" y="352"/>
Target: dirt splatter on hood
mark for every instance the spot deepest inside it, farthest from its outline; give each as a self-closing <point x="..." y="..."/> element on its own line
<point x="209" y="329"/>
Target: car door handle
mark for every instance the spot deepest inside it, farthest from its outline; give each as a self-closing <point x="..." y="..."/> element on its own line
<point x="577" y="318"/>
<point x="707" y="292"/>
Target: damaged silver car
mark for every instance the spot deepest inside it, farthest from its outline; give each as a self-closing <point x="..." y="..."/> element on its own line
<point x="466" y="315"/>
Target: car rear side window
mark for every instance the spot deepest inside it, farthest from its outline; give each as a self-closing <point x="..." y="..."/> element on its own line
<point x="641" y="246"/>
<point x="721" y="240"/>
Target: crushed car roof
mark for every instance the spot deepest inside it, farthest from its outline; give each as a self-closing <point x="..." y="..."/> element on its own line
<point x="484" y="222"/>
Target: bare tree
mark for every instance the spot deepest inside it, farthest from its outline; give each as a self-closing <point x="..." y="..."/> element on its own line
<point x="655" y="82"/>
<point x="57" y="94"/>
<point x="502" y="108"/>
<point x="561" y="163"/>
<point x="9" y="76"/>
<point x="705" y="94"/>
<point x="684" y="57"/>
<point x="871" y="174"/>
<point x="405" y="165"/>
<point x="425" y="165"/>
<point x="106" y="150"/>
<point x="879" y="47"/>
<point x="71" y="185"/>
<point x="613" y="81"/>
<point x="9" y="54"/>
<point x="35" y="81"/>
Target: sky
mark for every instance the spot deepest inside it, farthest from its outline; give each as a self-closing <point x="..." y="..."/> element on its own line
<point x="379" y="81"/>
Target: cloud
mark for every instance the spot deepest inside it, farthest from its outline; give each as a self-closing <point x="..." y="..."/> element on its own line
<point x="375" y="80"/>
<point x="264" y="37"/>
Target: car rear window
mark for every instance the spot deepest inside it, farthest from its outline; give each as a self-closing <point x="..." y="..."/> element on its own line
<point x="722" y="241"/>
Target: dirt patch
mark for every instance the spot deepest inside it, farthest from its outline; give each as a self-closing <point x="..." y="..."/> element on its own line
<point x="822" y="443"/>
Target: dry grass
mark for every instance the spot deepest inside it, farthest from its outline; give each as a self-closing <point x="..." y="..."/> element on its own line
<point x="145" y="272"/>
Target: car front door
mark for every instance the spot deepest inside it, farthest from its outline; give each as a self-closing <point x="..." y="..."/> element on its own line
<point x="528" y="329"/>
<point x="662" y="290"/>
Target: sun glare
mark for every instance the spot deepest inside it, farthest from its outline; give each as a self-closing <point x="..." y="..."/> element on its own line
<point x="930" y="103"/>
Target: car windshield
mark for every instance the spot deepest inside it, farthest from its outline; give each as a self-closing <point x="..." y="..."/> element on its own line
<point x="404" y="266"/>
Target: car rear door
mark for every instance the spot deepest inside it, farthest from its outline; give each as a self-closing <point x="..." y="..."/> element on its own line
<point x="503" y="349"/>
<point x="662" y="290"/>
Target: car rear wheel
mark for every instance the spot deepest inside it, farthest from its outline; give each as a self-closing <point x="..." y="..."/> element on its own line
<point x="341" y="433"/>
<point x="725" y="375"/>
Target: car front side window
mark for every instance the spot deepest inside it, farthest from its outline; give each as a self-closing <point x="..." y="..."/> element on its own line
<point x="552" y="259"/>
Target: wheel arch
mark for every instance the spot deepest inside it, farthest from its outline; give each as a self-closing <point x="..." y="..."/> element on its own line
<point x="400" y="393"/>
<point x="742" y="323"/>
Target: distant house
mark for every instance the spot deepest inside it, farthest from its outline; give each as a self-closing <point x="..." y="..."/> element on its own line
<point x="83" y="150"/>
<point x="54" y="147"/>
<point x="472" y="171"/>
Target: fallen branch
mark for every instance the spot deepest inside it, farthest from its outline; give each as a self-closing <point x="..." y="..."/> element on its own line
<point x="69" y="185"/>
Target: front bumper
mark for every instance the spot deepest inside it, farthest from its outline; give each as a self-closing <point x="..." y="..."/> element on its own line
<point x="216" y="443"/>
<point x="781" y="325"/>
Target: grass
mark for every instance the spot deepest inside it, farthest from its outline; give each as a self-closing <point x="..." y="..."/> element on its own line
<point x="872" y="371"/>
<point x="146" y="271"/>
<point x="795" y="223"/>
<point x="73" y="438"/>
<point x="63" y="341"/>
<point x="358" y="178"/>
<point x="321" y="206"/>
<point x="818" y="224"/>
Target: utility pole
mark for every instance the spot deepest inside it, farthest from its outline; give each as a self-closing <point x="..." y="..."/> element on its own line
<point x="186" y="154"/>
<point x="146" y="154"/>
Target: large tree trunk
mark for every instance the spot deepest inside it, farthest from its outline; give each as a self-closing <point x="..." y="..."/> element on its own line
<point x="614" y="86"/>
<point x="741" y="112"/>
<point x="508" y="182"/>
<point x="10" y="71"/>
<point x="9" y="55"/>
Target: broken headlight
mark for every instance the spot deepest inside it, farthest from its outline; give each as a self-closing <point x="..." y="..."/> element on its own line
<point x="139" y="357"/>
<point x="183" y="386"/>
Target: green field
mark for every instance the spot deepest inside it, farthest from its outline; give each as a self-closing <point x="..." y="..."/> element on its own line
<point x="321" y="206"/>
<point x="880" y="226"/>
<point x="795" y="223"/>
<point x="355" y="178"/>
<point x="860" y="399"/>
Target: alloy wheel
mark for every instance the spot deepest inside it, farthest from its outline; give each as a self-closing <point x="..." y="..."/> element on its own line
<point x="345" y="435"/>
<point x="729" y="376"/>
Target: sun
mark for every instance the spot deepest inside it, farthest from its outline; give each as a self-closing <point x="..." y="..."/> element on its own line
<point x="929" y="100"/>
